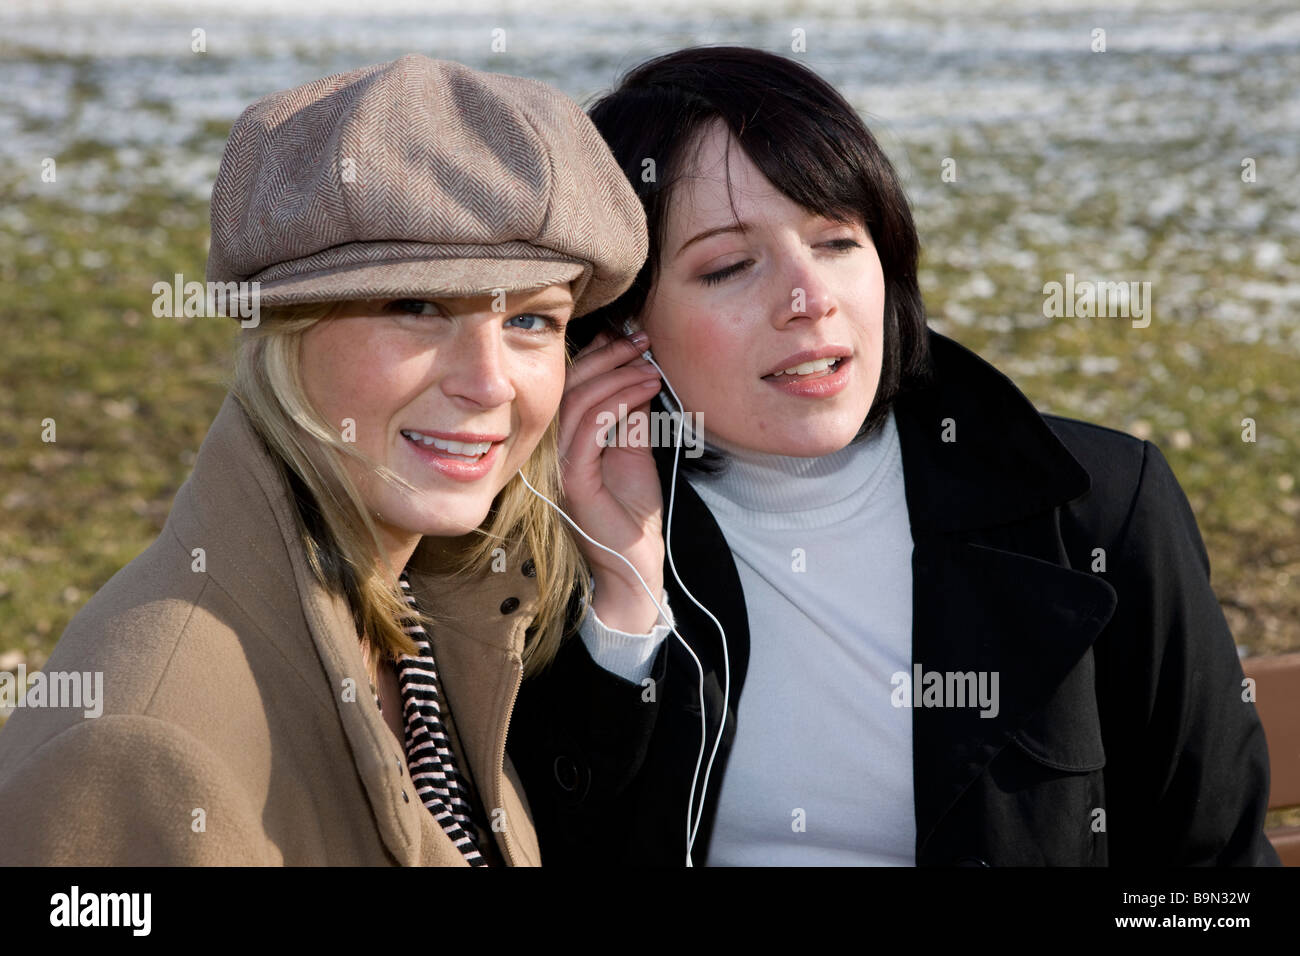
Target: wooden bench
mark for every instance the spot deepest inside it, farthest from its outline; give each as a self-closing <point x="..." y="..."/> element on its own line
<point x="1277" y="698"/>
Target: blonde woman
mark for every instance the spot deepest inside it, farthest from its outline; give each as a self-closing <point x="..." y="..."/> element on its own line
<point x="316" y="661"/>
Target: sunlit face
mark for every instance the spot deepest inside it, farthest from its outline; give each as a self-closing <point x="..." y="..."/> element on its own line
<point x="449" y="394"/>
<point x="768" y="322"/>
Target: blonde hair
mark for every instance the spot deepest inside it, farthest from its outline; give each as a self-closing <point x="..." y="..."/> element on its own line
<point x="339" y="535"/>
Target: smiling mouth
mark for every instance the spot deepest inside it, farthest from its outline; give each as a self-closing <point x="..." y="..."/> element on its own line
<point x="807" y="370"/>
<point x="461" y="450"/>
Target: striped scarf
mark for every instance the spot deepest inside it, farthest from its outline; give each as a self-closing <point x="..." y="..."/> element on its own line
<point x="428" y="751"/>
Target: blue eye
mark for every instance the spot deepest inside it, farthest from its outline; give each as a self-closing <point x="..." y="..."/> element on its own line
<point x="413" y="307"/>
<point x="543" y="322"/>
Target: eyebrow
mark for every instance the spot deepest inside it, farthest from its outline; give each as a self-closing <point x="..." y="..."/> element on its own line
<point x="554" y="300"/>
<point x="710" y="233"/>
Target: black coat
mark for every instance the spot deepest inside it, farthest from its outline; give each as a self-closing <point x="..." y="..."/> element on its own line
<point x="1120" y="690"/>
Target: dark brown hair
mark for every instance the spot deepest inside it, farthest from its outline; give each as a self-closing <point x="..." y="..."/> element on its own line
<point x="809" y="143"/>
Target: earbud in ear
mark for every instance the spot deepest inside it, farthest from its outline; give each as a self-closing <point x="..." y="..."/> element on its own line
<point x="630" y="326"/>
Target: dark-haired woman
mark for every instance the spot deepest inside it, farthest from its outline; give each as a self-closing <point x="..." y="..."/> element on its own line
<point x="956" y="630"/>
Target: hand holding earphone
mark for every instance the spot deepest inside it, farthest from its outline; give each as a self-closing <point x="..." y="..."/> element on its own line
<point x="694" y="811"/>
<point x="612" y="491"/>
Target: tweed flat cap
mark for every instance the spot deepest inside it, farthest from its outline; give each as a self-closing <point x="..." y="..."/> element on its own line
<point x="422" y="177"/>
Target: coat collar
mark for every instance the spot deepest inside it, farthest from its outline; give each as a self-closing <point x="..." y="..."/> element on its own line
<point x="1003" y="462"/>
<point x="236" y="507"/>
<point x="478" y="645"/>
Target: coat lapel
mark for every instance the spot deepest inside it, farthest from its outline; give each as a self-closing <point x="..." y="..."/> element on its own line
<point x="478" y="647"/>
<point x="993" y="592"/>
<point x="237" y="496"/>
<point x="991" y="612"/>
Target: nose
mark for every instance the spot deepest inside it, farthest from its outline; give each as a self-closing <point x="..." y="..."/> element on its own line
<point x="806" y="295"/>
<point x="475" y="364"/>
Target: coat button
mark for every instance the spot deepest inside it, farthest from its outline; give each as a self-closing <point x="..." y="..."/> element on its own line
<point x="405" y="797"/>
<point x="566" y="773"/>
<point x="529" y="569"/>
<point x="509" y="605"/>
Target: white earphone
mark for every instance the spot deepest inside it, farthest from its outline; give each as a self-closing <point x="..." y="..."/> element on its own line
<point x="692" y="818"/>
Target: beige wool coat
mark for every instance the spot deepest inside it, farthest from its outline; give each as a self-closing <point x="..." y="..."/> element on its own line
<point x="238" y="727"/>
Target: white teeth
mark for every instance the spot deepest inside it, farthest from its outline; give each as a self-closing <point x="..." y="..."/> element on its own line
<point x="468" y="449"/>
<point x="807" y="368"/>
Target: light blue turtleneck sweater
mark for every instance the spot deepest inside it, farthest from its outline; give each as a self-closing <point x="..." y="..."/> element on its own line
<point x="821" y="769"/>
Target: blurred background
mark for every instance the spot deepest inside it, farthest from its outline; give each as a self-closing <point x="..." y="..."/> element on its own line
<point x="1173" y="157"/>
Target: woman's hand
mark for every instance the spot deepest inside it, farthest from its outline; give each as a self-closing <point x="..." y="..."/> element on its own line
<point x="613" y="492"/>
